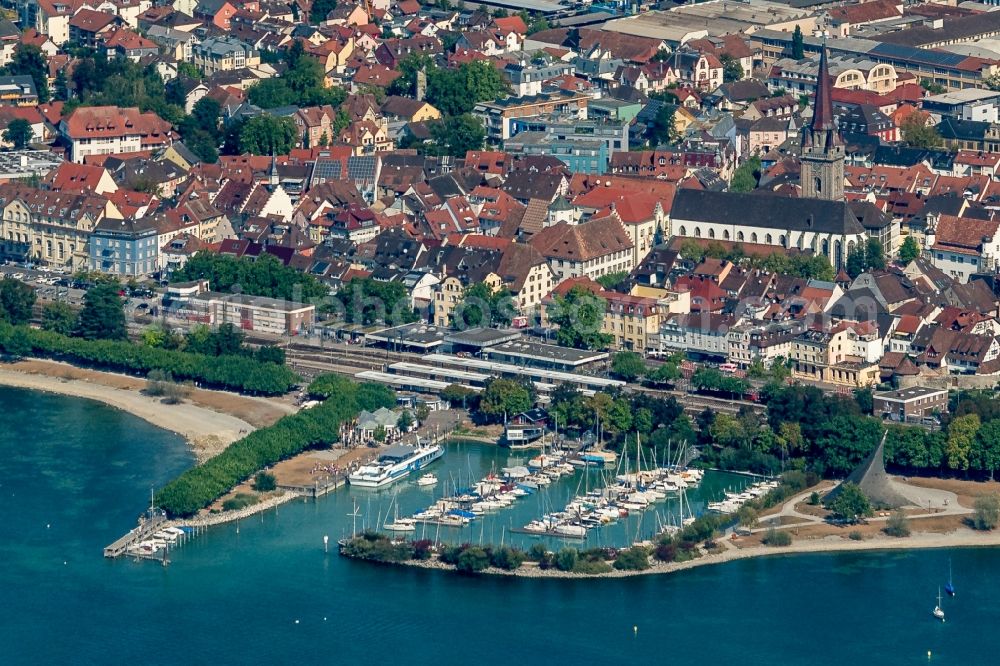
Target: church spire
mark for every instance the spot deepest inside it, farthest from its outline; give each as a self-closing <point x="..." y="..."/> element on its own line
<point x="822" y="131"/>
<point x="822" y="159"/>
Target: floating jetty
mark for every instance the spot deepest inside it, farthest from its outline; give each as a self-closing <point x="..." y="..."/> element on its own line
<point x="150" y="522"/>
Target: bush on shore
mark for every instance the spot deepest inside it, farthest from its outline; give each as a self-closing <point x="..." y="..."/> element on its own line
<point x="777" y="538"/>
<point x="239" y="501"/>
<point x="897" y="525"/>
<point x="987" y="512"/>
<point x="635" y="558"/>
<point x="237" y="373"/>
<point x="292" y="434"/>
<point x="377" y="548"/>
<point x="472" y="560"/>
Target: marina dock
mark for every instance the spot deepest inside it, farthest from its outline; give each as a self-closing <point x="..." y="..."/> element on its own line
<point x="146" y="528"/>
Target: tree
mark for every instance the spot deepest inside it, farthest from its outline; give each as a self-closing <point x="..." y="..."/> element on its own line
<point x="456" y="135"/>
<point x="916" y="132"/>
<point x="102" y="316"/>
<point x="268" y="135"/>
<point x="472" y="560"/>
<point x="798" y="44"/>
<point x="580" y="316"/>
<point x="961" y="435"/>
<point x="987" y="512"/>
<point x="897" y="525"/>
<point x="61" y="92"/>
<point x="663" y="131"/>
<point x="986" y="449"/>
<point x="504" y="398"/>
<point x="932" y="87"/>
<point x="319" y="10"/>
<point x="18" y="133"/>
<point x="612" y="280"/>
<point x="850" y="503"/>
<point x="457" y="91"/>
<point x="30" y="61"/>
<point x="566" y="559"/>
<point x="264" y="482"/>
<point x="206" y="114"/>
<point x="58" y="317"/>
<point x="874" y="254"/>
<point x="457" y="395"/>
<point x="747" y="516"/>
<point x="732" y="70"/>
<point x="909" y="250"/>
<point x="745" y="177"/>
<point x="405" y="421"/>
<point x="16" y="301"/>
<point x="482" y="306"/>
<point x="204" y="147"/>
<point x="856" y="262"/>
<point x="628" y="366"/>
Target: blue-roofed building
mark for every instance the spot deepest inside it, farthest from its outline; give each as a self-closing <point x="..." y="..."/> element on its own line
<point x="127" y="248"/>
<point x="581" y="156"/>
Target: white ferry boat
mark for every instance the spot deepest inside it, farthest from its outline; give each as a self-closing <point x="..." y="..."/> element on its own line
<point x="393" y="464"/>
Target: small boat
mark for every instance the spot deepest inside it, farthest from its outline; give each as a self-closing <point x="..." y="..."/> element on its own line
<point x="427" y="480"/>
<point x="938" y="613"/>
<point x="949" y="586"/>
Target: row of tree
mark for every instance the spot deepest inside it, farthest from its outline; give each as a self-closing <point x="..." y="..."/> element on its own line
<point x="198" y="487"/>
<point x="264" y="276"/>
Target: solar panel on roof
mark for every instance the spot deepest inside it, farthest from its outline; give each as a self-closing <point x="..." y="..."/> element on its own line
<point x="942" y="58"/>
<point x="327" y="169"/>
<point x="361" y="168"/>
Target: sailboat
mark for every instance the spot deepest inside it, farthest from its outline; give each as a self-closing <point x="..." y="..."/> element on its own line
<point x="949" y="586"/>
<point x="400" y="524"/>
<point x="938" y="613"/>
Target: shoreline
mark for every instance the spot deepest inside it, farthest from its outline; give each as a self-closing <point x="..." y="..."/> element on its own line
<point x="207" y="432"/>
<point x="962" y="538"/>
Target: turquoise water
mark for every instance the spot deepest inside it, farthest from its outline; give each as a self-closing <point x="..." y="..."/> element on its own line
<point x="73" y="475"/>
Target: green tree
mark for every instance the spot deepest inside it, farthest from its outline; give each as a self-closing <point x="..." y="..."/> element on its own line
<point x="203" y="146"/>
<point x="580" y="317"/>
<point x="206" y="115"/>
<point x="102" y="316"/>
<point x="405" y="421"/>
<point x="319" y="10"/>
<point x="856" y="262"/>
<point x="268" y="135"/>
<point x="874" y="254"/>
<point x="798" y="44"/>
<point x="29" y="60"/>
<point x="909" y="250"/>
<point x="747" y="516"/>
<point x="850" y="503"/>
<point x="457" y="91"/>
<point x="932" y="87"/>
<point x="457" y="395"/>
<point x="986" y="514"/>
<point x="566" y="559"/>
<point x="504" y="398"/>
<point x="986" y="449"/>
<point x="961" y="436"/>
<point x="472" y="560"/>
<point x="61" y="91"/>
<point x="916" y="132"/>
<point x="628" y="365"/>
<point x="58" y="317"/>
<point x="16" y="301"/>
<point x="263" y="482"/>
<point x="897" y="525"/>
<point x="692" y="249"/>
<point x="745" y="177"/>
<point x="612" y="280"/>
<point x="732" y="70"/>
<point x="18" y="133"/>
<point x="456" y="135"/>
<point x="482" y="306"/>
<point x="663" y="131"/>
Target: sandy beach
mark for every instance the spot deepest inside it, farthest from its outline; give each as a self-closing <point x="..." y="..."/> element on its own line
<point x="208" y="420"/>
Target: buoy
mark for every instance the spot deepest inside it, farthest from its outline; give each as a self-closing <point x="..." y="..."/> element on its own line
<point x="928" y="654"/>
<point x="48" y="526"/>
<point x="324" y="619"/>
<point x="635" y="629"/>
<point x="296" y="622"/>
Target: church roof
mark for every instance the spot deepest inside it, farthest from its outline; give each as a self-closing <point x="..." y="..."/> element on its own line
<point x="765" y="211"/>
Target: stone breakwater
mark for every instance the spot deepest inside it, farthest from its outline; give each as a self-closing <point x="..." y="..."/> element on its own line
<point x="210" y="519"/>
<point x="962" y="538"/>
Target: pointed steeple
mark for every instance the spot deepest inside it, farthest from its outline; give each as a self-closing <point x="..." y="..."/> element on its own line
<point x="273" y="178"/>
<point x="822" y="131"/>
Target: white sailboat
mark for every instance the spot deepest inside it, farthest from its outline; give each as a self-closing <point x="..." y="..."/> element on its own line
<point x="427" y="480"/>
<point x="938" y="613"/>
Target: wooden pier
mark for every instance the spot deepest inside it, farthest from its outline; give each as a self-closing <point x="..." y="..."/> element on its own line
<point x="146" y="528"/>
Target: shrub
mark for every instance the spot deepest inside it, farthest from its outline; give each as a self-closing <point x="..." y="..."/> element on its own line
<point x="239" y="501"/>
<point x="422" y="549"/>
<point x="814" y="498"/>
<point x="290" y="435"/>
<point x="775" y="538"/>
<point x="855" y="536"/>
<point x="450" y="554"/>
<point x="591" y="567"/>
<point x="377" y="548"/>
<point x="472" y="560"/>
<point x="897" y="525"/>
<point x="566" y="559"/>
<point x="665" y="552"/>
<point x="635" y="558"/>
<point x="507" y="558"/>
<point x="537" y="552"/>
<point x="987" y="512"/>
<point x="231" y="372"/>
<point x="264" y="482"/>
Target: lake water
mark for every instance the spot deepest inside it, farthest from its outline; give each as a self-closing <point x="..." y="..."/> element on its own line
<point x="74" y="474"/>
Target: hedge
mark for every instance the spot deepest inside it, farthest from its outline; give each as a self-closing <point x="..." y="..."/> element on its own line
<point x="319" y="426"/>
<point x="226" y="372"/>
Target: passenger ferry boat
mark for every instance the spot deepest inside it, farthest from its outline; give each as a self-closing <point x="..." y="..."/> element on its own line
<point x="393" y="464"/>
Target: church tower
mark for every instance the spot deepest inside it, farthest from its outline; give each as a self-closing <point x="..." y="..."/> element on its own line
<point x="822" y="159"/>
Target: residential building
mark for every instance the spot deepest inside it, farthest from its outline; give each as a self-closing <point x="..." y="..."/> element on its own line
<point x="254" y="314"/>
<point x="910" y="404"/>
<point x="18" y="91"/>
<point x="597" y="247"/>
<point x="126" y="248"/>
<point x="223" y="54"/>
<point x="108" y="130"/>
